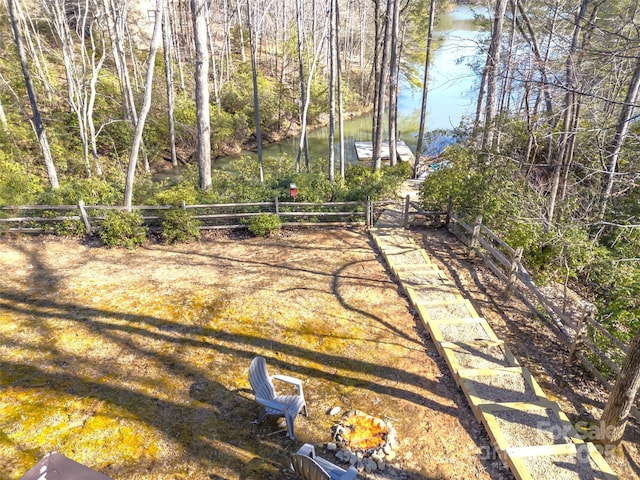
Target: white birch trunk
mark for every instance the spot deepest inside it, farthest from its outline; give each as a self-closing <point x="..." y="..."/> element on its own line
<point x="146" y="105"/>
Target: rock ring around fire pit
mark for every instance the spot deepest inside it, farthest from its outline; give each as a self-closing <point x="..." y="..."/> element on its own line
<point x="364" y="441"/>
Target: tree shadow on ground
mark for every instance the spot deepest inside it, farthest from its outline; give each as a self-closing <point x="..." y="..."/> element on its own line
<point x="205" y="417"/>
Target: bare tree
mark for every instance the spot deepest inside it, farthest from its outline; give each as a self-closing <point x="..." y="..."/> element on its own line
<point x="167" y="47"/>
<point x="622" y="130"/>
<point x="307" y="99"/>
<point x="146" y="105"/>
<point x="491" y="68"/>
<point x="382" y="79"/>
<point x="572" y="106"/>
<point x="115" y="14"/>
<point x="36" y="119"/>
<point x="394" y="71"/>
<point x="82" y="69"/>
<point x="333" y="53"/>
<point x="341" y="156"/>
<point x="33" y="46"/>
<point x="252" y="25"/>
<point x="199" y="16"/>
<point x="425" y="87"/>
<point x="304" y="146"/>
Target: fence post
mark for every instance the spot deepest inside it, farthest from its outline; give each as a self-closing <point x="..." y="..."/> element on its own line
<point x="405" y="222"/>
<point x="276" y="205"/>
<point x="184" y="205"/>
<point x="447" y="220"/>
<point x="581" y="332"/>
<point x="367" y="213"/>
<point x="85" y="217"/>
<point x="474" y="237"/>
<point x="516" y="257"/>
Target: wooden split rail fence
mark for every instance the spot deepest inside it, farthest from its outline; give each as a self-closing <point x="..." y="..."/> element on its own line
<point x="49" y="218"/>
<point x="588" y="341"/>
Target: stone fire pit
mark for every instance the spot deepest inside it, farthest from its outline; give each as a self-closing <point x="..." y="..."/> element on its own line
<point x="364" y="441"/>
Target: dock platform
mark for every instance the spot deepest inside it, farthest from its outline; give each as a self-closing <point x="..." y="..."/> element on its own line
<point x="364" y="151"/>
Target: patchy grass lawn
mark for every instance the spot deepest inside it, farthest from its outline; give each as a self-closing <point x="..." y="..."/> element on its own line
<point x="135" y="362"/>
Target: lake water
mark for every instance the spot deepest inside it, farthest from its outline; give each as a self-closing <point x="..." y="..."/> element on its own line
<point x="450" y="97"/>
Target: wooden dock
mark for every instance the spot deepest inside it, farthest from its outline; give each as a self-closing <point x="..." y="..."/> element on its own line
<point x="364" y="151"/>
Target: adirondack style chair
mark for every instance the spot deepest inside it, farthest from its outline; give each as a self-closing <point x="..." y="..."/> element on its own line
<point x="310" y="467"/>
<point x="287" y="406"/>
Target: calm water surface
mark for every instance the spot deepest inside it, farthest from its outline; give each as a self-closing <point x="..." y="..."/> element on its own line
<point x="451" y="95"/>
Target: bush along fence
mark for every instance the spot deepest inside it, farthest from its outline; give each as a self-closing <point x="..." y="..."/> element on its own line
<point x="86" y="219"/>
<point x="588" y="341"/>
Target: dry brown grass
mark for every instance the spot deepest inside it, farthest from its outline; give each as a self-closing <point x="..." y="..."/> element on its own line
<point x="135" y="362"/>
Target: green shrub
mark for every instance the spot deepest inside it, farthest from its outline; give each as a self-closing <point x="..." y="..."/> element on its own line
<point x="123" y="229"/>
<point x="362" y="181"/>
<point x="17" y="185"/>
<point x="185" y="191"/>
<point x="93" y="191"/>
<point x="70" y="228"/>
<point x="179" y="226"/>
<point x="263" y="225"/>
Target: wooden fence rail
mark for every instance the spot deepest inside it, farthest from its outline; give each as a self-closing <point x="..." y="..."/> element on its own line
<point x="46" y="218"/>
<point x="589" y="342"/>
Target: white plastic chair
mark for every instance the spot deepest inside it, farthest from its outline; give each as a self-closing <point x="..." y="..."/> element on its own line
<point x="287" y="406"/>
<point x="310" y="467"/>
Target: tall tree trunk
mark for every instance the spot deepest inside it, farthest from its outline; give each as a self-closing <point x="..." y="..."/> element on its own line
<point x="394" y="71"/>
<point x="96" y="67"/>
<point x="541" y="62"/>
<point x="332" y="91"/>
<point x="37" y="56"/>
<point x="304" y="146"/>
<point x="425" y="87"/>
<point x="198" y="13"/>
<point x="572" y="106"/>
<point x="375" y="65"/>
<point x="146" y="104"/>
<point x="492" y="67"/>
<point x="307" y="99"/>
<point x="168" y="71"/>
<point x="75" y="69"/>
<point x="341" y="157"/>
<point x="381" y="87"/>
<point x="116" y="15"/>
<point x="214" y="69"/>
<point x="175" y="25"/>
<point x="363" y="70"/>
<point x="36" y="119"/>
<point x="622" y="129"/>
<point x="616" y="412"/>
<point x="251" y="25"/>
<point x="241" y="26"/>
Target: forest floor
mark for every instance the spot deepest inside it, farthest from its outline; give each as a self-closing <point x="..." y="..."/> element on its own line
<point x="135" y="362"/>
